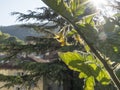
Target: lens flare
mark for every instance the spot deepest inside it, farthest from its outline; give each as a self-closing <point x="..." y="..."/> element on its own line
<point x="99" y="4"/>
<point x="103" y="7"/>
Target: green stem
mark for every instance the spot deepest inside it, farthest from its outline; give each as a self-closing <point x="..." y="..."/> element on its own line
<point x="112" y="74"/>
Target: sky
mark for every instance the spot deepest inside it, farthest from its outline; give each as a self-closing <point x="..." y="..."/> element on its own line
<point x="8" y="6"/>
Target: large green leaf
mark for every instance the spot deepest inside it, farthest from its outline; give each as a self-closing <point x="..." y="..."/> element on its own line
<point x="87" y="65"/>
<point x="70" y="56"/>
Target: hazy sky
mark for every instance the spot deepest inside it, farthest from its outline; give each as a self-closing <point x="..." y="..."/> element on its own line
<point x="8" y="6"/>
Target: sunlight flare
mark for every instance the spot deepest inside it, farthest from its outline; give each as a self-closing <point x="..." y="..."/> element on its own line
<point x="99" y="4"/>
<point x="103" y="7"/>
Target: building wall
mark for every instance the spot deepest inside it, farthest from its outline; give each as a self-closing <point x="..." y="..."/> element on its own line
<point x="18" y="87"/>
<point x="43" y="83"/>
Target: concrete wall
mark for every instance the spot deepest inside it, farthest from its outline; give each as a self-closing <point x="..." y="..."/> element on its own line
<point x="18" y="87"/>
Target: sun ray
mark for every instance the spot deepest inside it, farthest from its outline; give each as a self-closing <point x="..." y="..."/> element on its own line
<point x="99" y="4"/>
<point x="103" y="7"/>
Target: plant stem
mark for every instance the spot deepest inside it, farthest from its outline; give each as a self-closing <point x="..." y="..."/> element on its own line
<point x="112" y="74"/>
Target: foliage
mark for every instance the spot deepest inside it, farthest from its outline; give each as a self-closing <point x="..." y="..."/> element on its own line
<point x="83" y="50"/>
<point x="34" y="71"/>
<point x="86" y="30"/>
<point x="46" y="20"/>
<point x="19" y="55"/>
<point x="6" y="39"/>
<point x="89" y="68"/>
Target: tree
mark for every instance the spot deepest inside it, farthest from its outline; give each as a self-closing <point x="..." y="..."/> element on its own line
<point x="68" y="12"/>
<point x="53" y="68"/>
<point x="88" y="53"/>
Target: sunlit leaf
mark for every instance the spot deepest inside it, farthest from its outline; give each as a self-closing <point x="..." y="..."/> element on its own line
<point x="82" y="75"/>
<point x="72" y="32"/>
<point x="89" y="19"/>
<point x="89" y="83"/>
<point x="103" y="77"/>
<point x="70" y="56"/>
<point x="115" y="49"/>
<point x="77" y="7"/>
<point x="86" y="65"/>
<point x="62" y="7"/>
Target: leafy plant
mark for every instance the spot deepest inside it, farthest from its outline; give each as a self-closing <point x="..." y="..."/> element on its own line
<point x="85" y="29"/>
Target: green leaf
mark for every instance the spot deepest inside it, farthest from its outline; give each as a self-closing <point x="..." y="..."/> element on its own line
<point x="61" y="7"/>
<point x="89" y="83"/>
<point x="103" y="77"/>
<point x="70" y="56"/>
<point x="115" y="49"/>
<point x="77" y="7"/>
<point x="72" y="32"/>
<point x="82" y="75"/>
<point x="77" y="62"/>
<point x="74" y="61"/>
<point x="70" y="10"/>
<point x="86" y="65"/>
<point x="89" y="19"/>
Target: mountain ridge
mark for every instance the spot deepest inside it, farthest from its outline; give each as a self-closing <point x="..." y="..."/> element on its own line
<point x="19" y="32"/>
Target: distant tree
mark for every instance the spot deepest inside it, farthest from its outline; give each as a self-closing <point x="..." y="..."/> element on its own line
<point x="49" y="24"/>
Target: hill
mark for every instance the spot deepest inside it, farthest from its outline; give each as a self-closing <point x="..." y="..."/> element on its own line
<point x="20" y="32"/>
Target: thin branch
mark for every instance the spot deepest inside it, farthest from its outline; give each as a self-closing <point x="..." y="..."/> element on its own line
<point x="112" y="74"/>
